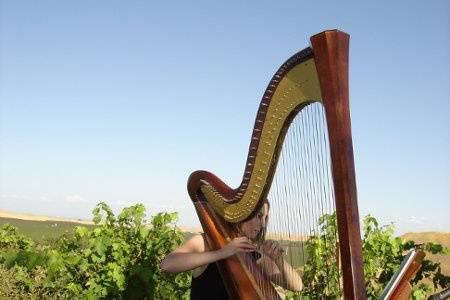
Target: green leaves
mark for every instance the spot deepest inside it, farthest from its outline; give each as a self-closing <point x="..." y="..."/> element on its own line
<point x="435" y="248"/>
<point x="118" y="258"/>
<point x="321" y="273"/>
<point x="11" y="239"/>
<point x="81" y="231"/>
<point x="382" y="254"/>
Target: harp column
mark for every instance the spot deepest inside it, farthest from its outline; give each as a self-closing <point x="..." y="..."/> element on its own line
<point x="331" y="57"/>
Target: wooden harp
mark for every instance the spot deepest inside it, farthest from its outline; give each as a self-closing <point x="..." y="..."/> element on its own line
<point x="317" y="75"/>
<point x="399" y="288"/>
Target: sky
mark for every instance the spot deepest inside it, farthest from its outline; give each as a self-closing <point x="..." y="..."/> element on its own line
<point x="119" y="101"/>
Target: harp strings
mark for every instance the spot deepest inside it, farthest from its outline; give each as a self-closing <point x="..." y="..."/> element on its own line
<point x="302" y="188"/>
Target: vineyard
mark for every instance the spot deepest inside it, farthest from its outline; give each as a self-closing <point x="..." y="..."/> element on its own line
<point x="118" y="257"/>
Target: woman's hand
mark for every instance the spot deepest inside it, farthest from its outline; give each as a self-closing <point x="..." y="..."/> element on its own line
<point x="237" y="245"/>
<point x="279" y="271"/>
<point x="273" y="250"/>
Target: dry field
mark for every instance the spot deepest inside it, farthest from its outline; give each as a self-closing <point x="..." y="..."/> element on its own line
<point x="442" y="238"/>
<point x="31" y="217"/>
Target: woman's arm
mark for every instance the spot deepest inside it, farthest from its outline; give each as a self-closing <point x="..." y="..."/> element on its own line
<point x="277" y="269"/>
<point x="287" y="277"/>
<point x="194" y="253"/>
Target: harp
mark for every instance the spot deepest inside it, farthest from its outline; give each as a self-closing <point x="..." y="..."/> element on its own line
<point x="312" y="83"/>
<point x="399" y="287"/>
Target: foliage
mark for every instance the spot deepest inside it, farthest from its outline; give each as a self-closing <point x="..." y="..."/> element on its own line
<point x="321" y="272"/>
<point x="118" y="258"/>
<point x="11" y="239"/>
<point x="382" y="254"/>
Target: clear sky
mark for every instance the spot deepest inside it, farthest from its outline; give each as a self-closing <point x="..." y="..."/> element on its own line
<point x="119" y="101"/>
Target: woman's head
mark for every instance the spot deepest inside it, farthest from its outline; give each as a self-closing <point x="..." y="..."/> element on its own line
<point x="255" y="227"/>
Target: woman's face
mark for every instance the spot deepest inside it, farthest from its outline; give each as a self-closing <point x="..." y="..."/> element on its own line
<point x="253" y="227"/>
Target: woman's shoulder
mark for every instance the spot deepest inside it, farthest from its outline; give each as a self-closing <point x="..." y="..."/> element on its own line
<point x="196" y="243"/>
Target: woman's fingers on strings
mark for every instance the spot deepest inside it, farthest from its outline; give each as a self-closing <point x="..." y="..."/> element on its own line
<point x="242" y="239"/>
<point x="277" y="250"/>
<point x="275" y="247"/>
<point x="245" y="250"/>
<point x="267" y="245"/>
<point x="245" y="240"/>
<point x="272" y="248"/>
<point x="247" y="247"/>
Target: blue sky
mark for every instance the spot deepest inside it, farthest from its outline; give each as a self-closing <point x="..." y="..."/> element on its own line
<point x="119" y="101"/>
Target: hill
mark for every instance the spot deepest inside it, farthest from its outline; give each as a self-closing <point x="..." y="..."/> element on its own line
<point x="442" y="238"/>
<point x="31" y="217"/>
<point x="42" y="227"/>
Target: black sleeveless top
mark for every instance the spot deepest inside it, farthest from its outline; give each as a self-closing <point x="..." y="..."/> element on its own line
<point x="209" y="284"/>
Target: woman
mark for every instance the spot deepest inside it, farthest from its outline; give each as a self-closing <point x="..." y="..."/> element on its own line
<point x="195" y="255"/>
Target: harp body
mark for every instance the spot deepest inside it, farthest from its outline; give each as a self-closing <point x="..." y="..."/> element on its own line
<point x="399" y="287"/>
<point x="315" y="74"/>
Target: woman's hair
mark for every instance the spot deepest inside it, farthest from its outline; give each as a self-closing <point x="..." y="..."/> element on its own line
<point x="261" y="236"/>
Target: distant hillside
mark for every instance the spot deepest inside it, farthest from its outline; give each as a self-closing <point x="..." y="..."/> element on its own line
<point x="442" y="238"/>
<point x="43" y="227"/>
<point x="31" y="217"/>
<point x="40" y="227"/>
<point x="41" y="230"/>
